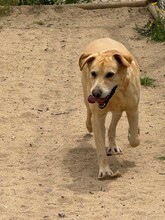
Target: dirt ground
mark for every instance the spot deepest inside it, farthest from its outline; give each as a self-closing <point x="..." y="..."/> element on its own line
<point x="48" y="162"/>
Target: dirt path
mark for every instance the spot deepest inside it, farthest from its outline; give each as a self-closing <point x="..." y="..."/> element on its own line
<point x="48" y="162"/>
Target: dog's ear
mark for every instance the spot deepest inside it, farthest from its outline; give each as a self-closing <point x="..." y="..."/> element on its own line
<point x="126" y="60"/>
<point x="86" y="58"/>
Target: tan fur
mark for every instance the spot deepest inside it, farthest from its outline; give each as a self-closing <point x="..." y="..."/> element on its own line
<point x="103" y="56"/>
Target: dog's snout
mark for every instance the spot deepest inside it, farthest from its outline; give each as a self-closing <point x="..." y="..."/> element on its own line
<point x="97" y="93"/>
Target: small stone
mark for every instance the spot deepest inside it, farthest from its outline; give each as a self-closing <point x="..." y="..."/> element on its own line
<point x="61" y="214"/>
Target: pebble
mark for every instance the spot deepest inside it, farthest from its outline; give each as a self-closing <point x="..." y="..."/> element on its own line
<point x="61" y="214"/>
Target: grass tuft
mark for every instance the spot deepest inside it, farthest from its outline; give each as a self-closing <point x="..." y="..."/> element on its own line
<point x="5" y="10"/>
<point x="147" y="81"/>
<point x="155" y="30"/>
<point x="40" y="2"/>
<point x="161" y="158"/>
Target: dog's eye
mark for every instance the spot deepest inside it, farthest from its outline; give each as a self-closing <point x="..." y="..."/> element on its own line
<point x="93" y="74"/>
<point x="109" y="74"/>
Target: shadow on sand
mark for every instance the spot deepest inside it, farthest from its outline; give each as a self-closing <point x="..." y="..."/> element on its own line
<point x="81" y="163"/>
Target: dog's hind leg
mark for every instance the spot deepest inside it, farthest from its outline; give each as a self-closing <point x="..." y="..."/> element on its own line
<point x="89" y="115"/>
<point x="88" y="120"/>
<point x="86" y="92"/>
<point x="133" y="128"/>
<point x="113" y="148"/>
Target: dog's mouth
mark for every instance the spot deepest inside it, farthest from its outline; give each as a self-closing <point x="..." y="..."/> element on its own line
<point x="102" y="102"/>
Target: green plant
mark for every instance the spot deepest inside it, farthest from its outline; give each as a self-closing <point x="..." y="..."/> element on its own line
<point x="147" y="81"/>
<point x="5" y="10"/>
<point x="76" y="1"/>
<point x="161" y="158"/>
<point x="8" y="2"/>
<point x="37" y="2"/>
<point x="42" y="2"/>
<point x="155" y="30"/>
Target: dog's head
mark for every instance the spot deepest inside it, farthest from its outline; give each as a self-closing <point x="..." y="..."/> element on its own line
<point x="106" y="72"/>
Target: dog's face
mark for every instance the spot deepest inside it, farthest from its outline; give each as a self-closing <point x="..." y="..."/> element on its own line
<point x="106" y="71"/>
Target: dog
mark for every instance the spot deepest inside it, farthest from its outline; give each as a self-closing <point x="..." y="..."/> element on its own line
<point x="111" y="82"/>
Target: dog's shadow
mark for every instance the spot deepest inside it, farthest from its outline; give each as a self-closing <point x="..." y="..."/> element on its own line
<point x="81" y="162"/>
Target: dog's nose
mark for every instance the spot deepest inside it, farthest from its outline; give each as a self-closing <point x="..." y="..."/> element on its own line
<point x="97" y="93"/>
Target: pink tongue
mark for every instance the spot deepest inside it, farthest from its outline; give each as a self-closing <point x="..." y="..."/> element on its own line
<point x="92" y="99"/>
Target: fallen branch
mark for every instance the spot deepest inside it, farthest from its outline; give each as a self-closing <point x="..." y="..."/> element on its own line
<point x="93" y="6"/>
<point x="155" y="11"/>
<point x="64" y="113"/>
<point x="61" y="113"/>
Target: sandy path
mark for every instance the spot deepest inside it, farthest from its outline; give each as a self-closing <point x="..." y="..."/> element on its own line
<point x="48" y="162"/>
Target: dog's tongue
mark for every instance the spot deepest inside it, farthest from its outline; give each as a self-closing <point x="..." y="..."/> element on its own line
<point x="92" y="99"/>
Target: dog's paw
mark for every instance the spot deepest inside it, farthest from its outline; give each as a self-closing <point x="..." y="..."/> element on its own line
<point x="108" y="173"/>
<point x="133" y="140"/>
<point x="113" y="151"/>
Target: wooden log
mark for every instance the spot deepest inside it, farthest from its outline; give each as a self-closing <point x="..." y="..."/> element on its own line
<point x="94" y="6"/>
<point x="155" y="11"/>
<point x="152" y="10"/>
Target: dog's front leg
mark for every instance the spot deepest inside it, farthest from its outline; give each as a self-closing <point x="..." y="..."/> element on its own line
<point x="98" y="121"/>
<point x="133" y="132"/>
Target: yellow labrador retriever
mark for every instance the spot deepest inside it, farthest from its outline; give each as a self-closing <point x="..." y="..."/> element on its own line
<point x="110" y="80"/>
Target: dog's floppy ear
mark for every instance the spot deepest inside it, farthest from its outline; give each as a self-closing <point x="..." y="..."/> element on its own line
<point x="86" y="58"/>
<point x="126" y="60"/>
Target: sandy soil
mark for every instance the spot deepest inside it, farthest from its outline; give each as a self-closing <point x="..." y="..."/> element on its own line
<point x="48" y="162"/>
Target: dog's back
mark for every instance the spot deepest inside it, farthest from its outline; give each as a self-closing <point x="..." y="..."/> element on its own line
<point x="105" y="44"/>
